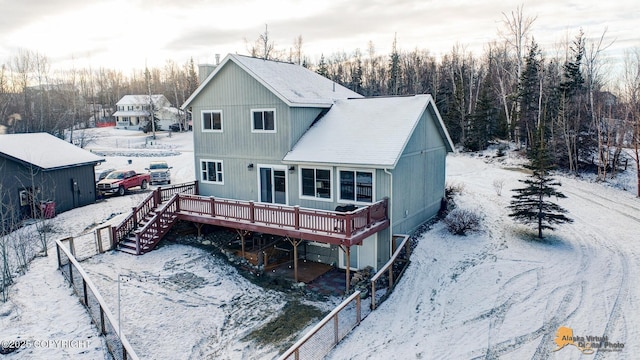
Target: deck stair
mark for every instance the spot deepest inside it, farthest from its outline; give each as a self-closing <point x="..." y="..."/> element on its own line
<point x="148" y="222"/>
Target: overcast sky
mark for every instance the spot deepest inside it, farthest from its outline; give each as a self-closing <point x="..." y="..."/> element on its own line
<point x="124" y="34"/>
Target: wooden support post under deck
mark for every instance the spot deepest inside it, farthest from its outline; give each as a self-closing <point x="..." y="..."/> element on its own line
<point x="199" y="227"/>
<point x="242" y="234"/>
<point x="347" y="252"/>
<point x="295" y="243"/>
<point x="348" y="265"/>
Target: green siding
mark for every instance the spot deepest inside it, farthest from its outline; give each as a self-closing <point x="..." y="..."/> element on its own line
<point x="235" y="93"/>
<point x="419" y="178"/>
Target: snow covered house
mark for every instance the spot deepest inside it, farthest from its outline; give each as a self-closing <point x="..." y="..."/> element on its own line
<point x="134" y="111"/>
<point x="271" y="132"/>
<point x="41" y="174"/>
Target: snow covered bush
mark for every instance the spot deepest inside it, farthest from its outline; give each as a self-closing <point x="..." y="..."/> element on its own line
<point x="463" y="221"/>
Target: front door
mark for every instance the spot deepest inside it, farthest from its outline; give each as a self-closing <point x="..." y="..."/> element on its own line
<point x="273" y="185"/>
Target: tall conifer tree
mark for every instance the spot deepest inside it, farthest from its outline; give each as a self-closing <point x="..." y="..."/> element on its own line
<point x="530" y="205"/>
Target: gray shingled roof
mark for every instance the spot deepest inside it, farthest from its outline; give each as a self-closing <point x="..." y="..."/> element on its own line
<point x="365" y="132"/>
<point x="296" y="85"/>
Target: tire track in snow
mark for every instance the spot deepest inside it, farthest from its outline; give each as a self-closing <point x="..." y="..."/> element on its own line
<point x="616" y="310"/>
<point x="562" y="305"/>
<point x="598" y="238"/>
<point x="608" y="204"/>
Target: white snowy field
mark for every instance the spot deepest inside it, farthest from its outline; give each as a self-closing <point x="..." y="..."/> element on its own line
<point x="501" y="293"/>
<point x="498" y="293"/>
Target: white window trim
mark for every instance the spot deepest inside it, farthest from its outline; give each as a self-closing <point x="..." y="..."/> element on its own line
<point x="275" y="121"/>
<point x="209" y="181"/>
<point x="331" y="183"/>
<point x="373" y="186"/>
<point x="286" y="181"/>
<point x="211" y="130"/>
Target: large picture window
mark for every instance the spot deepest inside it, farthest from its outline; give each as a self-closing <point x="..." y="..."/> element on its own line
<point x="315" y="183"/>
<point x="356" y="186"/>
<point x="263" y="120"/>
<point x="212" y="171"/>
<point x="212" y="121"/>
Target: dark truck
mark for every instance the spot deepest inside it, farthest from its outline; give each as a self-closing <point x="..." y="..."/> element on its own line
<point x="120" y="181"/>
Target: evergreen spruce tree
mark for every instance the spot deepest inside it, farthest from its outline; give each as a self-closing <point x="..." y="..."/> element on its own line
<point x="482" y="127"/>
<point x="322" y="67"/>
<point x="395" y="78"/>
<point x="530" y="205"/>
<point x="529" y="93"/>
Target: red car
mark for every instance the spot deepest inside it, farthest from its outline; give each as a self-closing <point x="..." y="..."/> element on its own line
<point x="120" y="181"/>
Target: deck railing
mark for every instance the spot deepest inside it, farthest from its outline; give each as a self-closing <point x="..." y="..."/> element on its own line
<point x="155" y="198"/>
<point x="186" y="188"/>
<point x="293" y="217"/>
<point x="132" y="220"/>
<point x="152" y="232"/>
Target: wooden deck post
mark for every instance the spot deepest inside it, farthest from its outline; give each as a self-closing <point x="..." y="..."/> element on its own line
<point x="252" y="216"/>
<point x="296" y="220"/>
<point x="137" y="243"/>
<point x="295" y="260"/>
<point x="347" y="225"/>
<point x="99" y="240"/>
<point x="295" y="244"/>
<point x="114" y="237"/>
<point x="348" y="265"/>
<point x="212" y="200"/>
<point x="157" y="197"/>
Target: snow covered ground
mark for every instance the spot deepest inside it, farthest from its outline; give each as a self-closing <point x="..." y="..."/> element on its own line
<point x="498" y="293"/>
<point x="501" y="293"/>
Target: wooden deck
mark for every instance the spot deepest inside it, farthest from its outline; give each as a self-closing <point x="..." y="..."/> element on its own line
<point x="337" y="228"/>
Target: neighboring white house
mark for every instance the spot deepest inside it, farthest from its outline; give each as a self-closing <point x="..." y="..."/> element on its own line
<point x="134" y="111"/>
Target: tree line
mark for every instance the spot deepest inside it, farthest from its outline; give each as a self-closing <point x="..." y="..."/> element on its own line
<point x="33" y="98"/>
<point x="507" y="93"/>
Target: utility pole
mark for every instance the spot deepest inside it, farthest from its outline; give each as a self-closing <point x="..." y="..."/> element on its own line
<point x="152" y="117"/>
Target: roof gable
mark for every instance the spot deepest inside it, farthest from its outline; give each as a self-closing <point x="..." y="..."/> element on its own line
<point x="45" y="151"/>
<point x="293" y="84"/>
<point x="157" y="99"/>
<point x="365" y="132"/>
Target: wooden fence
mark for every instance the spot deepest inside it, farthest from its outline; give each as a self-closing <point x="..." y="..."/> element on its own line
<point x="90" y="297"/>
<point x="317" y="343"/>
<point x="320" y="340"/>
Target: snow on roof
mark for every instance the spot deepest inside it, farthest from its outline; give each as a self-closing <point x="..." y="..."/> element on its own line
<point x="362" y="132"/>
<point x="294" y="84"/>
<point x="140" y="99"/>
<point x="45" y="151"/>
<point x="131" y="113"/>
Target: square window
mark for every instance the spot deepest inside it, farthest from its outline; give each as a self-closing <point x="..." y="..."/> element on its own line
<point x="316" y="183"/>
<point x="356" y="186"/>
<point x="212" y="171"/>
<point x="212" y="121"/>
<point x="263" y="120"/>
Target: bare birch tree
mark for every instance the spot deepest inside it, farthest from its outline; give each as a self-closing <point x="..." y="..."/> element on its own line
<point x="631" y="93"/>
<point x="515" y="33"/>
